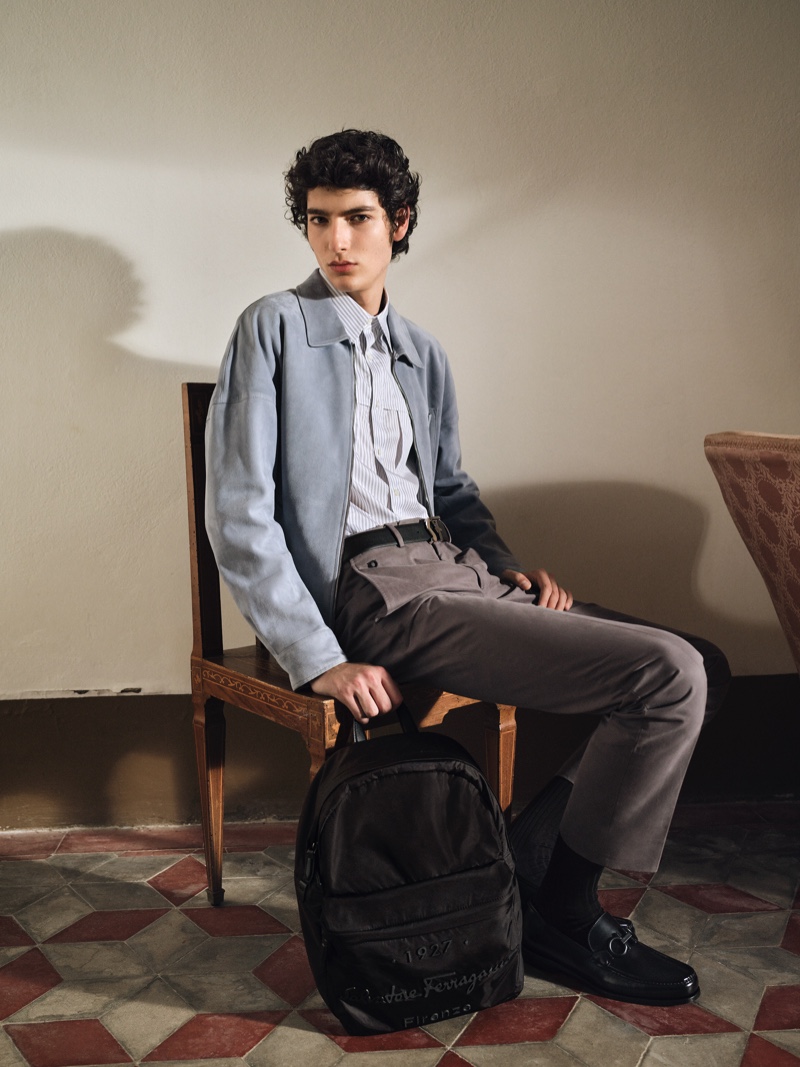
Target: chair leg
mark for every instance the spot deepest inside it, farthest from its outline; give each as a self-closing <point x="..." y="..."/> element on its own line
<point x="500" y="736"/>
<point x="317" y="754"/>
<point x="325" y="735"/>
<point x="209" y="740"/>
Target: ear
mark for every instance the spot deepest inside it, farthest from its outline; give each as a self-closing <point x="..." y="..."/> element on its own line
<point x="401" y="221"/>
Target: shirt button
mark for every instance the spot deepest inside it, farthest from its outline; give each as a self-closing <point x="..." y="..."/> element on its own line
<point x="372" y="563"/>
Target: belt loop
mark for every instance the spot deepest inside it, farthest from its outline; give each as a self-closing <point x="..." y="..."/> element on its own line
<point x="392" y="528"/>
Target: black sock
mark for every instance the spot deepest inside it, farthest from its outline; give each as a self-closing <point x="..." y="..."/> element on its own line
<point x="534" y="832"/>
<point x="567" y="897"/>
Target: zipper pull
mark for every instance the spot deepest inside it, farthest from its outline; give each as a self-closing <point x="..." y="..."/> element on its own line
<point x="310" y="862"/>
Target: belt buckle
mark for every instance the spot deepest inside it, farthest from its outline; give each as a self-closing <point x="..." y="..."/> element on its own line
<point x="436" y="528"/>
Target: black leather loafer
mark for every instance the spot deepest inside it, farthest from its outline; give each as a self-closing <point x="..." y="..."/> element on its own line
<point x="613" y="963"/>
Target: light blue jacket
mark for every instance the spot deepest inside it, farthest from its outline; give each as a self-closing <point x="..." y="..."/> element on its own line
<point x="279" y="442"/>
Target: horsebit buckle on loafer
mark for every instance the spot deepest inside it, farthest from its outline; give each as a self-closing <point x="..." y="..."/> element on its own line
<point x="623" y="940"/>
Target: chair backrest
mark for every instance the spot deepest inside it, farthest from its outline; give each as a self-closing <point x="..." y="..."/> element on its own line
<point x="759" y="476"/>
<point x="206" y="605"/>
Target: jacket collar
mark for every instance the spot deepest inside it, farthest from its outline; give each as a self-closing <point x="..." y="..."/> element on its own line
<point x="324" y="327"/>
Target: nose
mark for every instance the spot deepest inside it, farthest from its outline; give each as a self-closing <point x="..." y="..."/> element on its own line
<point x="339" y="234"/>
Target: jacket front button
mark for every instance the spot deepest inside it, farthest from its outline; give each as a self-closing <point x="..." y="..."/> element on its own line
<point x="372" y="563"/>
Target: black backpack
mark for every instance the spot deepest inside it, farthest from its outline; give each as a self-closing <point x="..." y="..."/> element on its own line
<point x="405" y="883"/>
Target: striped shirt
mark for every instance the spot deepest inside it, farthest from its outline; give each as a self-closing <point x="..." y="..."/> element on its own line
<point x="383" y="486"/>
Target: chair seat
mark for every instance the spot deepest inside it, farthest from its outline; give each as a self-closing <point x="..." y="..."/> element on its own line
<point x="252" y="680"/>
<point x="249" y="678"/>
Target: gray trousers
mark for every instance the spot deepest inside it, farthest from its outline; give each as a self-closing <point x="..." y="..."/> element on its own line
<point x="431" y="613"/>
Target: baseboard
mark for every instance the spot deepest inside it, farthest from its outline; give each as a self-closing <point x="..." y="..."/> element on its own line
<point x="129" y="760"/>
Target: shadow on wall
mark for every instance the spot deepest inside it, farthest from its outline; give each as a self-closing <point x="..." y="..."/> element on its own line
<point x="628" y="546"/>
<point x="95" y="582"/>
<point x="634" y="548"/>
<point x="94" y="517"/>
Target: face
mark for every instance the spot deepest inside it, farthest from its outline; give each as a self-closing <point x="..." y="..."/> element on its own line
<point x="350" y="235"/>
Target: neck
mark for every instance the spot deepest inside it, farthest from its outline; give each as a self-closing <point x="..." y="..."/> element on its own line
<point x="372" y="303"/>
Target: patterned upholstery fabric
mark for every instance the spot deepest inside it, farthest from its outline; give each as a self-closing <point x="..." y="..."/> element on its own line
<point x="759" y="475"/>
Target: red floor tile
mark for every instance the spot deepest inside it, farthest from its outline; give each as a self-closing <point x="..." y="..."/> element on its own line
<point x="761" y="1053"/>
<point x="452" y="1059"/>
<point x="791" y="939"/>
<point x="24" y="980"/>
<point x="254" y="837"/>
<point x="36" y="844"/>
<point x="108" y="926"/>
<point x="662" y="1022"/>
<point x="329" y="1025"/>
<point x="241" y="837"/>
<point x="235" y="921"/>
<point x="160" y="839"/>
<point x="717" y="899"/>
<point x="620" y="902"/>
<point x="532" y="1019"/>
<point x="207" y="1036"/>
<point x="287" y="973"/>
<point x="11" y="933"/>
<point x="66" y="1044"/>
<point x="780" y="1008"/>
<point x="166" y="852"/>
<point x="642" y="877"/>
<point x="182" y="881"/>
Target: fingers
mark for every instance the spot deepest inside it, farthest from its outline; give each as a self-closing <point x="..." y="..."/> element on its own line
<point x="543" y="580"/>
<point x="551" y="594"/>
<point x="517" y="578"/>
<point x="369" y="697"/>
<point x="391" y="688"/>
<point x="366" y="692"/>
<point x="564" y="600"/>
<point x="364" y="689"/>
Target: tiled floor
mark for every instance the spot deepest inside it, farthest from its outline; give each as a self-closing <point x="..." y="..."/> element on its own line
<point x="109" y="954"/>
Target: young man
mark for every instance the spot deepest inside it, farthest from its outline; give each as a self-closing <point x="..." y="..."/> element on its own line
<point x="363" y="557"/>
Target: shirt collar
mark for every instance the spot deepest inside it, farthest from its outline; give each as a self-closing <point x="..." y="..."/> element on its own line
<point x="324" y="327"/>
<point x="355" y="319"/>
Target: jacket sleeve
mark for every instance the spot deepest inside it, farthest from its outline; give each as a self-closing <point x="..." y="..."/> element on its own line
<point x="457" y="497"/>
<point x="242" y="436"/>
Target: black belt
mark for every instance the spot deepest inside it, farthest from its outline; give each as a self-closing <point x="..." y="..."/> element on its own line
<point x="421" y="530"/>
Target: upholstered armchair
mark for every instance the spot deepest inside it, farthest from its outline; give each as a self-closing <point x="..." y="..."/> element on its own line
<point x="759" y="475"/>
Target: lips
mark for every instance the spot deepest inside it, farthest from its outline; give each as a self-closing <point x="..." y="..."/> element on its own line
<point x="341" y="268"/>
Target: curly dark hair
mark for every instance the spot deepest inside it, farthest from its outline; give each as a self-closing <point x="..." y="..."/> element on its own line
<point x="355" y="159"/>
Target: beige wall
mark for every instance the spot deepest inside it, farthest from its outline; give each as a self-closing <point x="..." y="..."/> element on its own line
<point x="608" y="248"/>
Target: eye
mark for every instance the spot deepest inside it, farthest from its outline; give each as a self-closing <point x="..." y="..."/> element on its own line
<point x="316" y="220"/>
<point x="359" y="218"/>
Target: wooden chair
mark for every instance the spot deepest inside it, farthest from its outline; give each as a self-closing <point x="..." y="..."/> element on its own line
<point x="250" y="679"/>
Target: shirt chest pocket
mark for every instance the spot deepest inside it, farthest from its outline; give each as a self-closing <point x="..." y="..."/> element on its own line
<point x="391" y="432"/>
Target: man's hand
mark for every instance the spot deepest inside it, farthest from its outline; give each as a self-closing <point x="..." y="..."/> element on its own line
<point x="365" y="690"/>
<point x="551" y="594"/>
